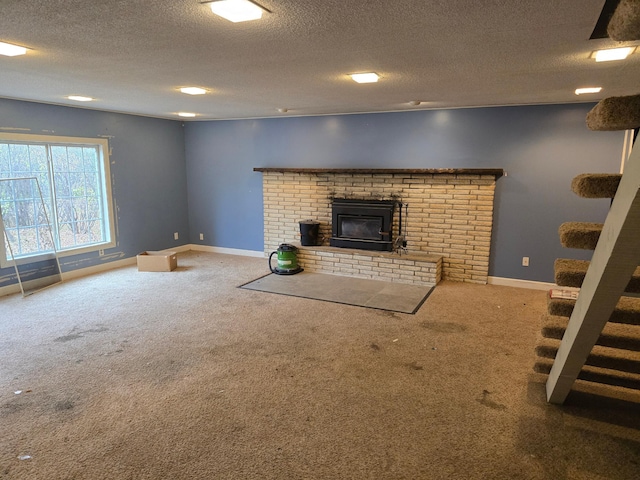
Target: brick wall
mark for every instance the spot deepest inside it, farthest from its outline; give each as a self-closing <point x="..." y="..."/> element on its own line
<point x="449" y="214"/>
<point x="413" y="269"/>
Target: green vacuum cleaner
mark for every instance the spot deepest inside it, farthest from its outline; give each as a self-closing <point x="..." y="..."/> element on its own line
<point x="287" y="260"/>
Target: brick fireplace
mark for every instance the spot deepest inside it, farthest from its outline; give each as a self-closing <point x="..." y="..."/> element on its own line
<point x="449" y="218"/>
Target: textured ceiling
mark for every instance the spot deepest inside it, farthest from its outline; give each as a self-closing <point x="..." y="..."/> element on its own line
<point x="133" y="55"/>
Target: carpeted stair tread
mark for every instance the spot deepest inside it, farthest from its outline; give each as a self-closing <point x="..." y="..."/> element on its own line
<point x="582" y="235"/>
<point x="615" y="113"/>
<point x="595" y="374"/>
<point x="624" y="24"/>
<point x="614" y="335"/>
<point x="603" y="357"/>
<point x="627" y="310"/>
<point x="571" y="273"/>
<point x="596" y="185"/>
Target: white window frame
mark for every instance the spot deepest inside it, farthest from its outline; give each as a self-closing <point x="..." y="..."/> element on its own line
<point x="107" y="200"/>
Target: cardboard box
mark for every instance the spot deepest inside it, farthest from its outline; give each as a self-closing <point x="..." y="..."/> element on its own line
<point x="157" y="261"/>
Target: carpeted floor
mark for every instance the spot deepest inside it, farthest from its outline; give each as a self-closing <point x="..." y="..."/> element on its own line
<point x="393" y="297"/>
<point x="182" y="375"/>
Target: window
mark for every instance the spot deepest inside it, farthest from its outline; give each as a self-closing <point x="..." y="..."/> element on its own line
<point x="73" y="177"/>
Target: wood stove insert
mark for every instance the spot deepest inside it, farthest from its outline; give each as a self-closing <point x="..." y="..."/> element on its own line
<point x="362" y="224"/>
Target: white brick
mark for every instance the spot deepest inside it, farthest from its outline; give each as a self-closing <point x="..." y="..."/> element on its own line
<point x="447" y="213"/>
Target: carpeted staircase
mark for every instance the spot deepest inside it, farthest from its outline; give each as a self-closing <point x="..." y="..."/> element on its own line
<point x="568" y="332"/>
<point x="614" y="359"/>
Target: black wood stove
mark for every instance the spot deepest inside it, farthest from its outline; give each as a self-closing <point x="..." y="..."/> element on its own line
<point x="363" y="224"/>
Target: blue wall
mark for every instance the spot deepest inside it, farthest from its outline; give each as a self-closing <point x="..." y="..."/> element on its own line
<point x="147" y="168"/>
<point x="541" y="148"/>
<point x="159" y="167"/>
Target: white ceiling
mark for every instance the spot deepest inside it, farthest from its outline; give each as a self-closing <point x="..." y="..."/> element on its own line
<point x="133" y="55"/>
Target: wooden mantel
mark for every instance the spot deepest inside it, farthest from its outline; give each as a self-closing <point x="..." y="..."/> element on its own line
<point x="496" y="172"/>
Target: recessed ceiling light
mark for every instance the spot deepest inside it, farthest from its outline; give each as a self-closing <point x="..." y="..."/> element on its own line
<point x="80" y="98"/>
<point x="613" y="54"/>
<point x="283" y="110"/>
<point x="11" y="50"/>
<point x="369" y="77"/>
<point x="580" y="91"/>
<point x="186" y="114"/>
<point x="237" y="10"/>
<point x="193" y="90"/>
<point x="415" y="103"/>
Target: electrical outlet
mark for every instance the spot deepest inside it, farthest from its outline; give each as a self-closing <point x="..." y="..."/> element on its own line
<point x="202" y="236"/>
<point x="525" y="261"/>
<point x="101" y="253"/>
<point x="175" y="236"/>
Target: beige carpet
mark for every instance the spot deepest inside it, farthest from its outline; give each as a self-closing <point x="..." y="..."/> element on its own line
<point x="362" y="292"/>
<point x="181" y="375"/>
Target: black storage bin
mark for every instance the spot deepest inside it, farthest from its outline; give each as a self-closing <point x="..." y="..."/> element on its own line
<point x="309" y="232"/>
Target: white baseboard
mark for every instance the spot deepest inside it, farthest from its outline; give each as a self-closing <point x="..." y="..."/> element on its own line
<point x="80" y="272"/>
<point x="32" y="286"/>
<point x="515" y="282"/>
<point x="228" y="251"/>
<point x="103" y="267"/>
<point x="179" y="249"/>
<point x="10" y="289"/>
